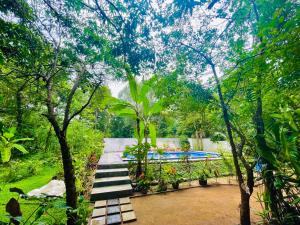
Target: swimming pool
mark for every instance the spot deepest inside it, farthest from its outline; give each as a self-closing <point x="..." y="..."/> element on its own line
<point x="193" y="155"/>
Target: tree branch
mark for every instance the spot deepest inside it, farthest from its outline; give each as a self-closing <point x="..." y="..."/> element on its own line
<point x="69" y="101"/>
<point x="83" y="107"/>
<point x="208" y="59"/>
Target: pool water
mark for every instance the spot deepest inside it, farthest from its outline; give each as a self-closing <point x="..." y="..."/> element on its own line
<point x="179" y="155"/>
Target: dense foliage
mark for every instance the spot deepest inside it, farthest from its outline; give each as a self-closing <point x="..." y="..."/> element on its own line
<point x="217" y="69"/>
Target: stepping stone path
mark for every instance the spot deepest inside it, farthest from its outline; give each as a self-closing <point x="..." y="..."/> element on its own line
<point x="111" y="191"/>
<point x="113" y="211"/>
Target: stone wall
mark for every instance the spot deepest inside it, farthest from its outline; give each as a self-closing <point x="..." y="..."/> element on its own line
<point x="119" y="144"/>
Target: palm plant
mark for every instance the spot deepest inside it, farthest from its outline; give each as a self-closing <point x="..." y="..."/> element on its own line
<point x="142" y="110"/>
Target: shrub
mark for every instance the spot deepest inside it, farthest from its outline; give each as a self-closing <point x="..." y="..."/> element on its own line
<point x="218" y="137"/>
<point x="86" y="146"/>
<point x="18" y="170"/>
<point x="184" y="143"/>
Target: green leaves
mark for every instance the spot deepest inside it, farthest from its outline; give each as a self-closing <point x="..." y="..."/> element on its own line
<point x="5" y="154"/>
<point x="133" y="88"/>
<point x="267" y="155"/>
<point x="144" y="90"/>
<point x="156" y="108"/>
<point x="20" y="148"/>
<point x="142" y="109"/>
<point x="152" y="134"/>
<point x="6" y="144"/>
<point x="142" y="132"/>
<point x="126" y="112"/>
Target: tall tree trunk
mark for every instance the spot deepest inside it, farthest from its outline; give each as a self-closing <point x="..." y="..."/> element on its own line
<point x="275" y="195"/>
<point x="69" y="175"/>
<point x="201" y="139"/>
<point x="19" y="113"/>
<point x="262" y="144"/>
<point x="245" y="208"/>
<point x="197" y="140"/>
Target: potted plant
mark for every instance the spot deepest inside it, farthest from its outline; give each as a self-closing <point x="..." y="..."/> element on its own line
<point x="174" y="177"/>
<point x="162" y="185"/>
<point x="143" y="184"/>
<point x="203" y="179"/>
<point x="204" y="172"/>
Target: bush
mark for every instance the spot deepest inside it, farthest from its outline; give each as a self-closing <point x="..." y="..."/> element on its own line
<point x="18" y="170"/>
<point x="184" y="143"/>
<point x="86" y="146"/>
<point x="218" y="137"/>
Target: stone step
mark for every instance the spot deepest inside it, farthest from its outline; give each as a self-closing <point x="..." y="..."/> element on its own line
<point x="110" y="181"/>
<point x="111" y="172"/>
<point x="111" y="192"/>
<point x="113" y="165"/>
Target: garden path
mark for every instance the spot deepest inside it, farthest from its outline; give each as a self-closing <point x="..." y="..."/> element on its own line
<point x="111" y="189"/>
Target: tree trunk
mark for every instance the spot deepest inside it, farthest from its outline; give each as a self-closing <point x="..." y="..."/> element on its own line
<point x="19" y="114"/>
<point x="262" y="144"/>
<point x="197" y="140"/>
<point x="245" y="209"/>
<point x="260" y="135"/>
<point x="69" y="175"/>
<point x="201" y="140"/>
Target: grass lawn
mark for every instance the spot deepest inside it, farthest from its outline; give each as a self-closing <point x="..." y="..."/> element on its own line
<point x="28" y="184"/>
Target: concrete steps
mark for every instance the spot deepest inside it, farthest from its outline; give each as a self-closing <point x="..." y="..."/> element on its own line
<point x="110" y="181"/>
<point x="116" y="172"/>
<point x="112" y="165"/>
<point x="111" y="192"/>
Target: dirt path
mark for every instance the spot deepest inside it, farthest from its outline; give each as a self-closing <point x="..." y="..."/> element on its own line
<point x="213" y="205"/>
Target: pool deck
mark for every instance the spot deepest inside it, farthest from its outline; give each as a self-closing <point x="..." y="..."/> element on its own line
<point x="111" y="158"/>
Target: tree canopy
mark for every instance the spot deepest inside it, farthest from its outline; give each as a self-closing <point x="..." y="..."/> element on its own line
<point x="194" y="68"/>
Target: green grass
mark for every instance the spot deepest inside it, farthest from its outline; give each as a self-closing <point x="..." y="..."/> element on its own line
<point x="28" y="184"/>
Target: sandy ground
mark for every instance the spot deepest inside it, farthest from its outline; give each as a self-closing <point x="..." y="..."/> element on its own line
<point x="215" y="204"/>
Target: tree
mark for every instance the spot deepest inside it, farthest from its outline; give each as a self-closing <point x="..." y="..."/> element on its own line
<point x="203" y="47"/>
<point x="65" y="73"/>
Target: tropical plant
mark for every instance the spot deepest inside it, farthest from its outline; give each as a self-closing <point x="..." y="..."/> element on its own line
<point x="143" y="184"/>
<point x="204" y="171"/>
<point x="8" y="142"/>
<point x="142" y="110"/>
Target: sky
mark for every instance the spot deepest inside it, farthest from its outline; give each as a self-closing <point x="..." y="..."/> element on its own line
<point x="115" y="87"/>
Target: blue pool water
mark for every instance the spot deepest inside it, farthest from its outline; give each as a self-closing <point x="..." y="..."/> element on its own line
<point x="178" y="155"/>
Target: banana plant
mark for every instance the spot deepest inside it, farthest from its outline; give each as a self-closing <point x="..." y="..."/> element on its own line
<point x="8" y="143"/>
<point x="142" y="110"/>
